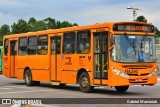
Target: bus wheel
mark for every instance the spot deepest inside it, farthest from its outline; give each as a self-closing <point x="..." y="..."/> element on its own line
<point x="84" y="82"/>
<point x="28" y="78"/>
<point x="121" y="88"/>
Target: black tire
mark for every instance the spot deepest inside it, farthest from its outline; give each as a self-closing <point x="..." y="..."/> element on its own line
<point x="28" y="78"/>
<point x="84" y="82"/>
<point x="121" y="88"/>
<point x="61" y="85"/>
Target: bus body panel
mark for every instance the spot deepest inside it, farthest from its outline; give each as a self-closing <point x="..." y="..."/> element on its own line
<point x="64" y="67"/>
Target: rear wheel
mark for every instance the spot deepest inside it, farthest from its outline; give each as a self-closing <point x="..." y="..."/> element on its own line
<point x="84" y="82"/>
<point x="121" y="88"/>
<point x="28" y="78"/>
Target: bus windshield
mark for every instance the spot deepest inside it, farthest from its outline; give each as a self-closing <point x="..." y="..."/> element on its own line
<point x="134" y="48"/>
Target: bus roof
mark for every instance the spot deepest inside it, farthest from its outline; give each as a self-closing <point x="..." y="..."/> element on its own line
<point x="74" y="28"/>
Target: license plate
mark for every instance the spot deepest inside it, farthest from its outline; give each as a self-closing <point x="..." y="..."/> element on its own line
<point x="138" y="79"/>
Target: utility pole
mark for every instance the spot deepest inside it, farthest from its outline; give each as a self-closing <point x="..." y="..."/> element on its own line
<point x="134" y="12"/>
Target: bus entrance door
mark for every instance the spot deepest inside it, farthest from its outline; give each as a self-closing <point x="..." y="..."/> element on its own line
<point x="55" y="53"/>
<point x="100" y="56"/>
<point x="13" y="53"/>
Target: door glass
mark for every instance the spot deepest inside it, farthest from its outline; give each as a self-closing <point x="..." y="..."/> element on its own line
<point x="104" y="55"/>
<point x="13" y="48"/>
<point x="100" y="55"/>
<point x="56" y="45"/>
<point x="97" y="56"/>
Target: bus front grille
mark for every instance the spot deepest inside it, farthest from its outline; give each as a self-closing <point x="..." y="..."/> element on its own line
<point x="146" y="74"/>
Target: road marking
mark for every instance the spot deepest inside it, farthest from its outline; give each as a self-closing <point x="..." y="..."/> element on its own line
<point x="25" y="91"/>
<point x="5" y="88"/>
<point x="14" y="86"/>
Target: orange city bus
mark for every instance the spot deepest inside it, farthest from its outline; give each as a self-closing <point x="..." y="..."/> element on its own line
<point x="115" y="54"/>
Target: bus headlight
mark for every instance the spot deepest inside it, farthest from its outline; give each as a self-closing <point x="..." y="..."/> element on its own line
<point x="152" y="73"/>
<point x="116" y="71"/>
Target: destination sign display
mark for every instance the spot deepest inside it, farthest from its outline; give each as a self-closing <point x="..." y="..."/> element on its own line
<point x="133" y="28"/>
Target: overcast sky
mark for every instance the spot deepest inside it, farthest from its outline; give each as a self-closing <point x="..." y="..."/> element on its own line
<point x="82" y="12"/>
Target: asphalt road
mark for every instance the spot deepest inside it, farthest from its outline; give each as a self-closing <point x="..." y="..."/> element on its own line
<point x="11" y="88"/>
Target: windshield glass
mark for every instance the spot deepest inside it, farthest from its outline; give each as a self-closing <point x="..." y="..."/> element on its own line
<point x="134" y="48"/>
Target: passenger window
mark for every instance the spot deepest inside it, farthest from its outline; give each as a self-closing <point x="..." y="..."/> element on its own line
<point x="22" y="46"/>
<point x="43" y="45"/>
<point x="32" y="45"/>
<point x="69" y="43"/>
<point x="6" y="46"/>
<point x="83" y="42"/>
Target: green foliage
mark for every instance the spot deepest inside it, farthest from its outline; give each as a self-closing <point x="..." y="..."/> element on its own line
<point x="4" y="30"/>
<point x="50" y="23"/>
<point x="38" y="26"/>
<point x="31" y="23"/>
<point x="20" y="27"/>
<point x="141" y="19"/>
<point x="157" y="33"/>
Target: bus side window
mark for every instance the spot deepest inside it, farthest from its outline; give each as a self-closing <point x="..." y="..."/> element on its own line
<point x="22" y="46"/>
<point x="83" y="42"/>
<point x="69" y="43"/>
<point x="6" y="46"/>
<point x="32" y="45"/>
<point x="43" y="45"/>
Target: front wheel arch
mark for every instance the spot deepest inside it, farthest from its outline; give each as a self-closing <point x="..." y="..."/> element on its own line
<point x="28" y="78"/>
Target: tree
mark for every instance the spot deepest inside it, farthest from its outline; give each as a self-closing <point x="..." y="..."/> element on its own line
<point x="75" y="24"/>
<point x="20" y="27"/>
<point x="50" y="23"/>
<point x="39" y="25"/>
<point x="31" y="23"/>
<point x="4" y="30"/>
<point x="157" y="33"/>
<point x="141" y="19"/>
<point x="65" y="24"/>
<point x="58" y="25"/>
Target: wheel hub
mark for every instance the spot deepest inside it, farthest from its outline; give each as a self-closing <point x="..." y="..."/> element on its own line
<point x="84" y="82"/>
<point x="28" y="77"/>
